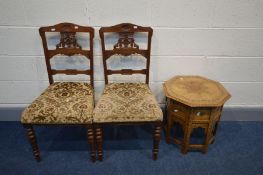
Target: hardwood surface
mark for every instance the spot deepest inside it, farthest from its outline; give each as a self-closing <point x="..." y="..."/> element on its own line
<point x="68" y="45"/>
<point x="126" y="46"/>
<point x="196" y="91"/>
<point x="33" y="141"/>
<point x="193" y="102"/>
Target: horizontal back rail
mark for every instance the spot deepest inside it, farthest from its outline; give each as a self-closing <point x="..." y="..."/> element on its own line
<point x="69" y="46"/>
<point x="126" y="46"/>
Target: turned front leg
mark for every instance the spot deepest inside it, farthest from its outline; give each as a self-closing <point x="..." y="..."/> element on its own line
<point x="156" y="140"/>
<point x="98" y="132"/>
<point x="90" y="137"/>
<point x="32" y="139"/>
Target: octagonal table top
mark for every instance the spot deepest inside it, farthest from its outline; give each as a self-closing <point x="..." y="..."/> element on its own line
<point x="196" y="91"/>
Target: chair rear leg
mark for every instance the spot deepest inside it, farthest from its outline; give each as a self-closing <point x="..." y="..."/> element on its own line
<point x="32" y="139"/>
<point x="98" y="133"/>
<point x="91" y="141"/>
<point x="156" y="140"/>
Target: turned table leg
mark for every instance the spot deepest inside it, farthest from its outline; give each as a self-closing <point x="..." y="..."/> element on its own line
<point x="98" y="133"/>
<point x="156" y="140"/>
<point x="90" y="137"/>
<point x="32" y="139"/>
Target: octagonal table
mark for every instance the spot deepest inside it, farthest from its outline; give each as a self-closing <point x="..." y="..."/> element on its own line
<point x="193" y="102"/>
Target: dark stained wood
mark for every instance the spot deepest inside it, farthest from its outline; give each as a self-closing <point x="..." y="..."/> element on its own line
<point x="127" y="71"/>
<point x="32" y="139"/>
<point x="156" y="140"/>
<point x="91" y="141"/>
<point x="126" y="46"/>
<point x="69" y="46"/>
<point x="68" y="52"/>
<point x="70" y="72"/>
<point x="98" y="134"/>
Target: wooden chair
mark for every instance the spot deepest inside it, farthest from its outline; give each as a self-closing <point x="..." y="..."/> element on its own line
<point x="127" y="103"/>
<point x="63" y="103"/>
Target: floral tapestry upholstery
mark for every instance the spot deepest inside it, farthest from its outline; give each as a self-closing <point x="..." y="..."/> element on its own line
<point x="127" y="102"/>
<point x="61" y="103"/>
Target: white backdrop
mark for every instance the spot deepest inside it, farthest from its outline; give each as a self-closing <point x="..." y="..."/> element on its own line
<point x="218" y="39"/>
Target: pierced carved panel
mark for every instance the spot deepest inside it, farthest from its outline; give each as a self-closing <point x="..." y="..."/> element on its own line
<point x="68" y="40"/>
<point x="126" y="41"/>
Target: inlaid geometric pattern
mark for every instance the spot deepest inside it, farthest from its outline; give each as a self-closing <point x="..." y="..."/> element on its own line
<point x="196" y="91"/>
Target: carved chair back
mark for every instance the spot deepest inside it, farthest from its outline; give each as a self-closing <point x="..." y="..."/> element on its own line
<point x="68" y="46"/>
<point x="126" y="46"/>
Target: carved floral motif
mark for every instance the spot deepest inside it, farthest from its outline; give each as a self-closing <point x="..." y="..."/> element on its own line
<point x="68" y="40"/>
<point x="126" y="41"/>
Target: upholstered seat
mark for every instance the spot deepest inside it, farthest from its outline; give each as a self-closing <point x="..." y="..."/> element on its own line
<point x="127" y="102"/>
<point x="61" y="103"/>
